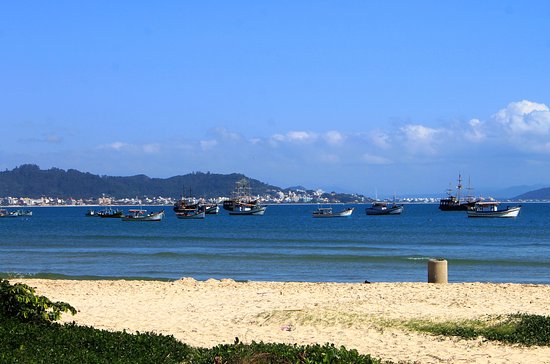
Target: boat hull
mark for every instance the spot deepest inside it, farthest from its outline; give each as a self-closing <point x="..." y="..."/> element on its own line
<point x="320" y="214"/>
<point x="509" y="212"/>
<point x="153" y="217"/>
<point x="397" y="210"/>
<point x="191" y="216"/>
<point x="255" y="211"/>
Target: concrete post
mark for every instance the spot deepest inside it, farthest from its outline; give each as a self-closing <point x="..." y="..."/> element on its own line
<point x="437" y="271"/>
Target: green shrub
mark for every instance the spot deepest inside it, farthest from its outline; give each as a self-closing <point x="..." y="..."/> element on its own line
<point x="515" y="329"/>
<point x="55" y="343"/>
<point x="20" y="301"/>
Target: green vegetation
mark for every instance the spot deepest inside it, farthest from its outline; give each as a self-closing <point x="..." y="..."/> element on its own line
<point x="521" y="329"/>
<point x="55" y="343"/>
<point x="20" y="302"/>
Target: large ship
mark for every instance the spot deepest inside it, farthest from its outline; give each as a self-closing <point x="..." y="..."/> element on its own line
<point x="242" y="200"/>
<point x="455" y="202"/>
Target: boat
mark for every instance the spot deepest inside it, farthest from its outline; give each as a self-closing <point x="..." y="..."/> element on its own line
<point x="191" y="214"/>
<point x="490" y="209"/>
<point x="382" y="208"/>
<point x="184" y="204"/>
<point x="242" y="203"/>
<point x="243" y="209"/>
<point x="110" y="213"/>
<point x="142" y="215"/>
<point x="15" y="213"/>
<point x="328" y="212"/>
<point x="24" y="213"/>
<point x="91" y="213"/>
<point x="455" y="202"/>
<point x="209" y="208"/>
<point x="6" y="213"/>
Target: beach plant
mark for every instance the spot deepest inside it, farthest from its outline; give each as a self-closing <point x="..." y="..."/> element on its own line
<point x="524" y="329"/>
<point x="276" y="353"/>
<point x="20" y="301"/>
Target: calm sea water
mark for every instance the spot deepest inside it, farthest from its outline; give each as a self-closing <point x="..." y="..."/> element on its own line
<point x="286" y="244"/>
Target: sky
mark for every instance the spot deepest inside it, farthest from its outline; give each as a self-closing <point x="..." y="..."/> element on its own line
<point x="373" y="97"/>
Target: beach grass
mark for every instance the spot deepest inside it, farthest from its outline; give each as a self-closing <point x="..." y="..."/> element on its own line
<point x="518" y="328"/>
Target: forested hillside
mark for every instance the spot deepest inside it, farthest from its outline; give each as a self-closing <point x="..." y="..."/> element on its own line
<point x="30" y="181"/>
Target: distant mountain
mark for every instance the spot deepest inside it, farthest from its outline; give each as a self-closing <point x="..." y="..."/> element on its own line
<point x="540" y="194"/>
<point x="30" y="181"/>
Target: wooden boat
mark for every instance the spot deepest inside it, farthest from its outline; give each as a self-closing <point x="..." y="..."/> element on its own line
<point x="327" y="212"/>
<point x="6" y="213"/>
<point x="455" y="202"/>
<point x="91" y="213"/>
<point x="110" y="213"/>
<point x="382" y="208"/>
<point x="191" y="214"/>
<point x="242" y="203"/>
<point x="142" y="215"/>
<point x="15" y="213"/>
<point x="190" y="203"/>
<point x="490" y="209"/>
<point x="243" y="209"/>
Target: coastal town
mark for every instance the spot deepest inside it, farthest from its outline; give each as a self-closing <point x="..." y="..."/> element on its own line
<point x="278" y="197"/>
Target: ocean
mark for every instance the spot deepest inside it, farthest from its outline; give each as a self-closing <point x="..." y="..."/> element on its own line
<point x="286" y="244"/>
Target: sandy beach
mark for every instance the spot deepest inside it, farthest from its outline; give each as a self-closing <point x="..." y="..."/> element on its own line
<point x="366" y="317"/>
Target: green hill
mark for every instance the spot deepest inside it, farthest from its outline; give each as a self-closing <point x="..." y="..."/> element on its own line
<point x="30" y="181"/>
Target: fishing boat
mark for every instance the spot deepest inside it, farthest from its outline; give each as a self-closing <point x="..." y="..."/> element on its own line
<point x="243" y="209"/>
<point x="383" y="208"/>
<point x="6" y="213"/>
<point x="328" y="212"/>
<point x="455" y="202"/>
<point x="185" y="204"/>
<point x="490" y="209"/>
<point x="142" y="215"/>
<point x="191" y="214"/>
<point x="91" y="213"/>
<point x="110" y="213"/>
<point x="15" y="213"/>
<point x="242" y="203"/>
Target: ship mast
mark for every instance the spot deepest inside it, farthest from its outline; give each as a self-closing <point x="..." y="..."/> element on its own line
<point x="459" y="187"/>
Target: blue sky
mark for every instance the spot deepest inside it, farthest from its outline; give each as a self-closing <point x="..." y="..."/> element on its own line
<point x="396" y="97"/>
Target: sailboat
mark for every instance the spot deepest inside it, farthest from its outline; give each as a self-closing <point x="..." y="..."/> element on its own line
<point x="454" y="202"/>
<point x="242" y="202"/>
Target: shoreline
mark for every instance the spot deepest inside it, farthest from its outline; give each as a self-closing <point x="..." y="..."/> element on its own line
<point x="365" y="317"/>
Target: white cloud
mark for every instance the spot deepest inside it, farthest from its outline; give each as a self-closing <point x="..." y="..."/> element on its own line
<point x="380" y="139"/>
<point x="294" y="137"/>
<point x="300" y="136"/>
<point x="334" y="137"/>
<point x="208" y="144"/>
<point x="475" y="133"/>
<point x="375" y="159"/>
<point x="118" y="146"/>
<point x="226" y="134"/>
<point x="524" y="117"/>
<point x="420" y="138"/>
<point x="419" y="133"/>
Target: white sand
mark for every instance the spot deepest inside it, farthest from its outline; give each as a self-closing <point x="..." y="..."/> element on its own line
<point x="360" y="316"/>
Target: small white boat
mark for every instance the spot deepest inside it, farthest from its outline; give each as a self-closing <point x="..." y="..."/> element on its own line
<point x="382" y="208"/>
<point x="490" y="209"/>
<point x="142" y="215"/>
<point x="327" y="212"/>
<point x="244" y="209"/>
<point x="15" y="213"/>
<point x="191" y="214"/>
